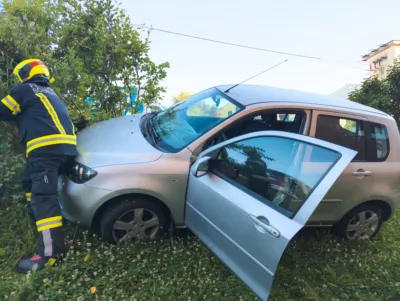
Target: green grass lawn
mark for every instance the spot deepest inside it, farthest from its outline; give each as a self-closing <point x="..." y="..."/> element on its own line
<point x="316" y="266"/>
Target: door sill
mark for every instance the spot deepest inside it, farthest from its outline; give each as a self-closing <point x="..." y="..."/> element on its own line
<point x="315" y="225"/>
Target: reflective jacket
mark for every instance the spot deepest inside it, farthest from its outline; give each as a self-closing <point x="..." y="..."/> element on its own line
<point x="42" y="118"/>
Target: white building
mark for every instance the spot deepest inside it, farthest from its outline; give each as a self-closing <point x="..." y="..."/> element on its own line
<point x="381" y="58"/>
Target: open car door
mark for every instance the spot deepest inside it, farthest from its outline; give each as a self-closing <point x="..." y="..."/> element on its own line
<point x="248" y="197"/>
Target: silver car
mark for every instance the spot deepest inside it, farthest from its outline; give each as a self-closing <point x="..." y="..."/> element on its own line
<point x="241" y="169"/>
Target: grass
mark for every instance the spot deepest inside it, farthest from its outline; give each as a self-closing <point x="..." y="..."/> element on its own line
<point x="316" y="266"/>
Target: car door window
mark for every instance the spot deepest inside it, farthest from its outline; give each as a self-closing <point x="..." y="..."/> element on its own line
<point x="285" y="121"/>
<point x="344" y="132"/>
<point x="271" y="169"/>
<point x="379" y="142"/>
<point x="272" y="120"/>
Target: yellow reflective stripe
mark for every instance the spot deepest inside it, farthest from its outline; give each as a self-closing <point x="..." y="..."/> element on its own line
<point x="51" y="112"/>
<point x="52" y="142"/>
<point x="49" y="223"/>
<point x="50" y="226"/>
<point x="28" y="194"/>
<point x="11" y="104"/>
<point x="49" y="219"/>
<point x="42" y="138"/>
<point x="49" y="140"/>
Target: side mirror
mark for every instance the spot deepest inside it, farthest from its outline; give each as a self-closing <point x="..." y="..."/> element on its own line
<point x="201" y="166"/>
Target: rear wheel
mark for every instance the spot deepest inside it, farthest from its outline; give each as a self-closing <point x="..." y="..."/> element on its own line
<point x="363" y="222"/>
<point x="132" y="219"/>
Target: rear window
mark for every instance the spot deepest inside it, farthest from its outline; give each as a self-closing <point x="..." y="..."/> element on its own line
<point x="379" y="142"/>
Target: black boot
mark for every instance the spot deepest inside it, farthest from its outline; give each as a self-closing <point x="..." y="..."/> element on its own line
<point x="35" y="263"/>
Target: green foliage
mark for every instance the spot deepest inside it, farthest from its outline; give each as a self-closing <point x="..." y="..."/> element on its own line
<point x="97" y="38"/>
<point x="383" y="95"/>
<point x="315" y="267"/>
<point x="91" y="49"/>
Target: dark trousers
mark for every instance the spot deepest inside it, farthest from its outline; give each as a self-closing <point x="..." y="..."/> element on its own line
<point x="39" y="182"/>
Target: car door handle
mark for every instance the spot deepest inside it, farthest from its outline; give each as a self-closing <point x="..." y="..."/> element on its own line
<point x="266" y="227"/>
<point x="362" y="172"/>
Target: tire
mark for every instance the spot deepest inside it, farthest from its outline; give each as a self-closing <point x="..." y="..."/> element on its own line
<point x="352" y="220"/>
<point x="138" y="218"/>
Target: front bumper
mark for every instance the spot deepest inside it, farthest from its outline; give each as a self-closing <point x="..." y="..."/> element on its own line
<point x="79" y="202"/>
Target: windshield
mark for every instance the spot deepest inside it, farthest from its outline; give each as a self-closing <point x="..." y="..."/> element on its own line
<point x="188" y="120"/>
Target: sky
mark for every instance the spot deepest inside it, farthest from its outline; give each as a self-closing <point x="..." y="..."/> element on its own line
<point x="339" y="31"/>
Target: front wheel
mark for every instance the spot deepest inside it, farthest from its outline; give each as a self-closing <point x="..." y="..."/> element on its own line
<point x="131" y="219"/>
<point x="363" y="222"/>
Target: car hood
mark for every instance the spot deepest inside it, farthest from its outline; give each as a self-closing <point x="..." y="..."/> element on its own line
<point x="115" y="142"/>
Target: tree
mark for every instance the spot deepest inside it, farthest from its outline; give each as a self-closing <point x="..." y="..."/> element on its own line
<point x="99" y="37"/>
<point x="24" y="32"/>
<point x="383" y="95"/>
<point x="181" y="96"/>
<point x="91" y="48"/>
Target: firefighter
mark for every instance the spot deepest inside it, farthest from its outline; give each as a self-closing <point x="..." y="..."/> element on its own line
<point x="47" y="132"/>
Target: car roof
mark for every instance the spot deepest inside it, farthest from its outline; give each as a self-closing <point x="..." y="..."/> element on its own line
<point x="255" y="94"/>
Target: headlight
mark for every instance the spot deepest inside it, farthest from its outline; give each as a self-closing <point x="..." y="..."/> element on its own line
<point x="80" y="173"/>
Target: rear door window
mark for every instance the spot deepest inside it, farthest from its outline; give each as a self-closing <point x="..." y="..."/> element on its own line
<point x="344" y="132"/>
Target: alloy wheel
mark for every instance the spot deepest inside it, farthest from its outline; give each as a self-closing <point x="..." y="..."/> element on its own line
<point x="363" y="225"/>
<point x="136" y="223"/>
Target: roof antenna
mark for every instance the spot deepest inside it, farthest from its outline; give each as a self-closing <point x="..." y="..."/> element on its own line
<point x="227" y="90"/>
